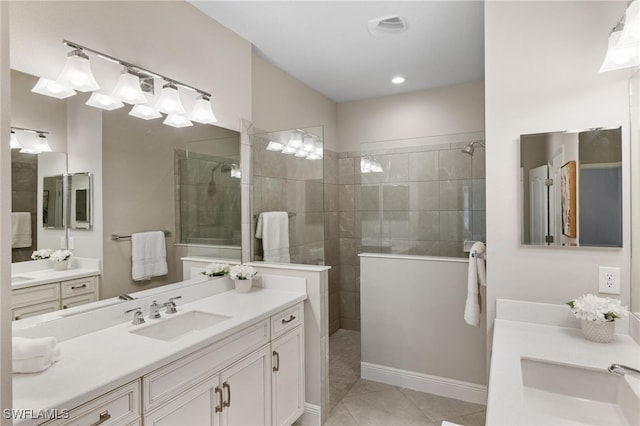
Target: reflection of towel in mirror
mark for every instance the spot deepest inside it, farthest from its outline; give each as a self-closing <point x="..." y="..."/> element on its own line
<point x="34" y="355"/>
<point x="273" y="229"/>
<point x="148" y="255"/>
<point x="20" y="229"/>
<point x="476" y="273"/>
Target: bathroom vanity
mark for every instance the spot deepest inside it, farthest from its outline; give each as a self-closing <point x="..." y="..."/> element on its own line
<point x="223" y="358"/>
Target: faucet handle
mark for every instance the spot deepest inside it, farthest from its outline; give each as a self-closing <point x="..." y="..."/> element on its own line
<point x="137" y="316"/>
<point x="154" y="310"/>
<point x="171" y="305"/>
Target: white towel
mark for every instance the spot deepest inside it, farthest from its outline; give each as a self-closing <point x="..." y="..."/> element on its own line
<point x="25" y="348"/>
<point x="148" y="255"/>
<point x="36" y="364"/>
<point x="273" y="229"/>
<point x="20" y="229"/>
<point x="476" y="273"/>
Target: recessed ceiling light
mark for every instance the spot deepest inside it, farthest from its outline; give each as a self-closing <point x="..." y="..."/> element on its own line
<point x="398" y="80"/>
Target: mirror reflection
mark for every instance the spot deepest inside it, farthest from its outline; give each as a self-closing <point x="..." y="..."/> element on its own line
<point x="53" y="202"/>
<point x="80" y="211"/>
<point x="571" y="191"/>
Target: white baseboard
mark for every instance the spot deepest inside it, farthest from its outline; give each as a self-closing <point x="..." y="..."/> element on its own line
<point x="442" y="386"/>
<point x="311" y="415"/>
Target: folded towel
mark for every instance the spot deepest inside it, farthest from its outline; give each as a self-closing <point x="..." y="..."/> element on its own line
<point x="24" y="348"/>
<point x="273" y="229"/>
<point x="475" y="273"/>
<point x="36" y="364"/>
<point x="148" y="255"/>
<point x="20" y="229"/>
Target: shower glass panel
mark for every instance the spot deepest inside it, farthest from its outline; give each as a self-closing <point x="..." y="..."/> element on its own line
<point x="422" y="200"/>
<point x="208" y="198"/>
<point x="288" y="176"/>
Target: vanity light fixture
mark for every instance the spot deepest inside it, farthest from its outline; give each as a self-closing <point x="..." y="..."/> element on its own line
<point x="102" y="101"/>
<point x="128" y="88"/>
<point x="623" y="48"/>
<point x="144" y="112"/>
<point x="177" y="120"/>
<point x="295" y="140"/>
<point x="15" y="144"/>
<point x="235" y="171"/>
<point x="631" y="30"/>
<point x="169" y="101"/>
<point x="47" y="87"/>
<point x="42" y="144"/>
<point x="77" y="72"/>
<point x="202" y="112"/>
<point x="288" y="150"/>
<point x="275" y="146"/>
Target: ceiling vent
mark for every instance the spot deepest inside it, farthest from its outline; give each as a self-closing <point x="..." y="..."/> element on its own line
<point x="387" y="25"/>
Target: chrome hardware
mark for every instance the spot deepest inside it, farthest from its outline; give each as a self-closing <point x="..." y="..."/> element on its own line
<point x="154" y="310"/>
<point x="277" y="366"/>
<point x="171" y="305"/>
<point x="137" y="316"/>
<point x="623" y="369"/>
<point x="227" y="403"/>
<point x="219" y="407"/>
<point x="104" y="416"/>
<point x="75" y="287"/>
<point x="286" y="321"/>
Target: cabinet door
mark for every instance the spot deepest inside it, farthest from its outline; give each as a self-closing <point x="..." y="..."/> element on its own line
<point x="82" y="299"/>
<point x="246" y="388"/>
<point x="287" y="382"/>
<point x="195" y="407"/>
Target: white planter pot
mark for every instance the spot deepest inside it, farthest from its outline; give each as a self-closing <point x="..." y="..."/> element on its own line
<point x="599" y="332"/>
<point x="61" y="266"/>
<point x="243" y="286"/>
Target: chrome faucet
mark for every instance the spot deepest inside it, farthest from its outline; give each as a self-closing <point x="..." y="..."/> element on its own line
<point x="171" y="305"/>
<point x="137" y="316"/>
<point x="623" y="369"/>
<point x="154" y="310"/>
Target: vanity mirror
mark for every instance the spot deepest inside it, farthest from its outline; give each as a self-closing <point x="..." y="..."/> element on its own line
<point x="53" y="207"/>
<point x="80" y="210"/>
<point x="571" y="188"/>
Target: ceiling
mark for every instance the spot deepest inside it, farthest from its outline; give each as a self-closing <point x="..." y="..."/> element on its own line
<point x="326" y="44"/>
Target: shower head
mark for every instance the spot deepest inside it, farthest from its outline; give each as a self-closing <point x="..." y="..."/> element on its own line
<point x="469" y="148"/>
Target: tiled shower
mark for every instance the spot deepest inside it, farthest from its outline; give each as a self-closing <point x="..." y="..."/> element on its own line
<point x="425" y="199"/>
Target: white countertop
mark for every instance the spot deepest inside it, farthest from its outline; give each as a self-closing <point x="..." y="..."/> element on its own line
<point x="514" y="340"/>
<point x="46" y="276"/>
<point x="98" y="362"/>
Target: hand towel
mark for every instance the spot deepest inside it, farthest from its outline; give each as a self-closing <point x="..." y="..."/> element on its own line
<point x="273" y="229"/>
<point x="475" y="273"/>
<point x="20" y="229"/>
<point x="24" y="348"/>
<point x="148" y="255"/>
<point x="36" y="364"/>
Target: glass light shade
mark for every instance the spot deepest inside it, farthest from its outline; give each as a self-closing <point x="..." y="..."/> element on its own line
<point x="169" y="100"/>
<point x="202" y="112"/>
<point x="235" y="171"/>
<point x="102" y="101"/>
<point x="275" y="146"/>
<point x="15" y="144"/>
<point x="77" y="73"/>
<point x="314" y="156"/>
<point x="307" y="143"/>
<point x="620" y="55"/>
<point x="128" y="89"/>
<point x="145" y="112"/>
<point x="42" y="145"/>
<point x="317" y="148"/>
<point x="289" y="150"/>
<point x="47" y="87"/>
<point x="176" y="120"/>
<point x="631" y="30"/>
<point x="301" y="153"/>
<point x="295" y="141"/>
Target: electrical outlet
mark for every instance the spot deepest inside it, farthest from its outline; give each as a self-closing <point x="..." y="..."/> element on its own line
<point x="609" y="280"/>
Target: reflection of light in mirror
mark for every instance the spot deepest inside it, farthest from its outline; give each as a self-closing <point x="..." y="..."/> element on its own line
<point x="15" y="144"/>
<point x="102" y="101"/>
<point x="275" y="146"/>
<point x="235" y="171"/>
<point x="144" y="112"/>
<point x="47" y="87"/>
<point x="177" y="120"/>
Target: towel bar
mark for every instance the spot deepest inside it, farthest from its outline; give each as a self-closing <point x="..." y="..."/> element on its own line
<point x="481" y="255"/>
<point x="255" y="216"/>
<point x="116" y="237"/>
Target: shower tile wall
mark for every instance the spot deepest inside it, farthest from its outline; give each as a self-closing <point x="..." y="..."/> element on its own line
<point x="24" y="183"/>
<point x="427" y="201"/>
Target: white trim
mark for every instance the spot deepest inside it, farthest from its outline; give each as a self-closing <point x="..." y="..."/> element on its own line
<point x="442" y="386"/>
<point x="311" y="415"/>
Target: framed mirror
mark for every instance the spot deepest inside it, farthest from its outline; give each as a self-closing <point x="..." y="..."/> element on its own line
<point x="80" y="200"/>
<point x="571" y="188"/>
<point x="53" y="202"/>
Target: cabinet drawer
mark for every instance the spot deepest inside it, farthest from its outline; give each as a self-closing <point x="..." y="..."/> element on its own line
<point x="70" y="302"/>
<point x="118" y="407"/>
<point x="36" y="294"/>
<point x="169" y="381"/>
<point x="286" y="320"/>
<point x="79" y="286"/>
<point x="33" y="310"/>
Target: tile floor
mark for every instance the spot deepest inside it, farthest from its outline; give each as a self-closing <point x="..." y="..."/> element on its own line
<point x="355" y="401"/>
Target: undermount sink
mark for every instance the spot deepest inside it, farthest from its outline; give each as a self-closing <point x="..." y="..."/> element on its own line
<point x="18" y="279"/>
<point x="179" y="325"/>
<point x="573" y="394"/>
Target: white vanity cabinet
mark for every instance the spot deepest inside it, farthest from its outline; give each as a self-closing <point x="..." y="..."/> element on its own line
<point x="51" y="297"/>
<point x="287" y="381"/>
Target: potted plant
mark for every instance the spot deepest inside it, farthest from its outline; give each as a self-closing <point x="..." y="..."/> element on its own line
<point x="216" y="270"/>
<point x="60" y="259"/>
<point x="242" y="276"/>
<point x="597" y="316"/>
